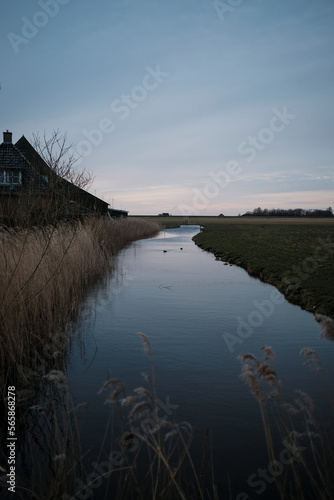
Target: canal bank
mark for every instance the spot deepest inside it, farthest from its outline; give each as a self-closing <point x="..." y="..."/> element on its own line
<point x="188" y="304"/>
<point x="294" y="256"/>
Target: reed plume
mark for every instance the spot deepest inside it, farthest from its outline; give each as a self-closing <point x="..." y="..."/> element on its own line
<point x="327" y="326"/>
<point x="309" y="467"/>
<point x="157" y="461"/>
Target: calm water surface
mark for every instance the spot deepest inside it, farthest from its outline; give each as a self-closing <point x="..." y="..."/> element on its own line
<point x="188" y="304"/>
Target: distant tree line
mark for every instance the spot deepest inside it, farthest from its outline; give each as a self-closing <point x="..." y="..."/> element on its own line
<point x="291" y="212"/>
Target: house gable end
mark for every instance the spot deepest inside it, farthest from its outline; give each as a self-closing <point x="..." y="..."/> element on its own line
<point x="70" y="190"/>
<point x="15" y="170"/>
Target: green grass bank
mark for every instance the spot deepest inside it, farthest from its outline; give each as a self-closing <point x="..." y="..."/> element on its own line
<point x="295" y="255"/>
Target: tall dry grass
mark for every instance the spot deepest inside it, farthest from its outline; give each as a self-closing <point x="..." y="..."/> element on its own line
<point x="44" y="275"/>
<point x="299" y="439"/>
<point x="144" y="452"/>
<point x="156" y="459"/>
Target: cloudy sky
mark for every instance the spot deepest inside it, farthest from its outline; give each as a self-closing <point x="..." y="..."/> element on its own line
<point x="180" y="106"/>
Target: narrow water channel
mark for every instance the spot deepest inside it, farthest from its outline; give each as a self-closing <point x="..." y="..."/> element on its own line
<point x="199" y="316"/>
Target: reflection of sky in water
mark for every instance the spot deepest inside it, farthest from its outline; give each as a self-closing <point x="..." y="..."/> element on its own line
<point x="184" y="301"/>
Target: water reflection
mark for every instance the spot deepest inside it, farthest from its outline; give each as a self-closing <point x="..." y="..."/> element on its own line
<point x="187" y="304"/>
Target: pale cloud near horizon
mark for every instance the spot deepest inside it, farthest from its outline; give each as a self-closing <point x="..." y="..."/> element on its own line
<point x="221" y="81"/>
<point x="297" y="199"/>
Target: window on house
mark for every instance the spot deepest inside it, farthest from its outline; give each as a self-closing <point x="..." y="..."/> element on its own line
<point x="13" y="177"/>
<point x="2" y="177"/>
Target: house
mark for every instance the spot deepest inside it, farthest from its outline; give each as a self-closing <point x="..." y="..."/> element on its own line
<point x="117" y="214"/>
<point x="23" y="170"/>
<point x="16" y="172"/>
<point x="16" y="175"/>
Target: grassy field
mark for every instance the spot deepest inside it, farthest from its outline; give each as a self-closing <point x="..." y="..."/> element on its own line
<point x="293" y="254"/>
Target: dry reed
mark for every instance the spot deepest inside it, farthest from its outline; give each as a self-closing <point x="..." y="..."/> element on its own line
<point x="44" y="276"/>
<point x="45" y="273"/>
<point x="306" y="437"/>
<point x="156" y="452"/>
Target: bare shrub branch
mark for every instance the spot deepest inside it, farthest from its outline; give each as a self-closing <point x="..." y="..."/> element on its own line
<point x="57" y="154"/>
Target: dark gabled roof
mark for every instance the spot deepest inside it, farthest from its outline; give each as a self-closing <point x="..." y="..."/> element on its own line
<point x="35" y="160"/>
<point x="11" y="157"/>
<point x="42" y="168"/>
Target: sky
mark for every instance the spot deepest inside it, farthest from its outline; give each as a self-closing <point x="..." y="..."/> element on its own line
<point x="192" y="107"/>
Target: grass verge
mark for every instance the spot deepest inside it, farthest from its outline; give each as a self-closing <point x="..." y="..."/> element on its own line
<point x="294" y="255"/>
